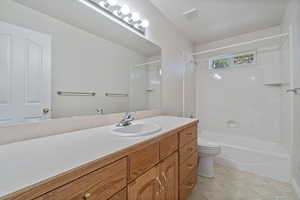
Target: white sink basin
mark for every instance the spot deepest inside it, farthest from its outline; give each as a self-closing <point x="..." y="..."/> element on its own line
<point x="138" y="129"/>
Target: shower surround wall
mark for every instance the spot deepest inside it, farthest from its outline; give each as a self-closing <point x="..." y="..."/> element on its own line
<point x="243" y="101"/>
<point x="242" y="108"/>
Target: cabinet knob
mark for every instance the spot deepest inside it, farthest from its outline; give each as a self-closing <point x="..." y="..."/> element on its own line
<point x="190" y="166"/>
<point x="86" y="196"/>
<point x="190" y="186"/>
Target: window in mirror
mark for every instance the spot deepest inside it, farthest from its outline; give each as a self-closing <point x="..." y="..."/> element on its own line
<point x="237" y="60"/>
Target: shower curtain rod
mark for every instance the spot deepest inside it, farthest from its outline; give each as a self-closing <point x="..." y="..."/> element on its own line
<point x="240" y="44"/>
<point x="263" y="50"/>
<point x="148" y="63"/>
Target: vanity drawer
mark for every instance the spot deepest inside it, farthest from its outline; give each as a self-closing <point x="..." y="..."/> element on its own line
<point x="142" y="160"/>
<point x="187" y="185"/>
<point x="168" y="145"/>
<point x="101" y="184"/>
<point x="187" y="135"/>
<point x="188" y="166"/>
<point x="186" y="151"/>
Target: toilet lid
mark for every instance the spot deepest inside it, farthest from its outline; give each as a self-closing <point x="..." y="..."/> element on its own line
<point x="205" y="143"/>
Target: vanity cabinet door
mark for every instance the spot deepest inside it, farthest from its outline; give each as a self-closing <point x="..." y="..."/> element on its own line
<point x="146" y="187"/>
<point x="169" y="176"/>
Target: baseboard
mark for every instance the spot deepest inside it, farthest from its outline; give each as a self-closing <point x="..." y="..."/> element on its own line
<point x="296" y="188"/>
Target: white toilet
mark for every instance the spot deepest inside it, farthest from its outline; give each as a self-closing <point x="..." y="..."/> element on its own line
<point x="207" y="152"/>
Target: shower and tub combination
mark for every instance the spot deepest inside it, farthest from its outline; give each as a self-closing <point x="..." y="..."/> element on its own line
<point x="242" y="104"/>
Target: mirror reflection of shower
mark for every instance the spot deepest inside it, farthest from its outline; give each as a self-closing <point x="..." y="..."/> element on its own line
<point x="145" y="86"/>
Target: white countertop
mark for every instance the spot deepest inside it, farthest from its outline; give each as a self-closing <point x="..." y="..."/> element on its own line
<point x="25" y="163"/>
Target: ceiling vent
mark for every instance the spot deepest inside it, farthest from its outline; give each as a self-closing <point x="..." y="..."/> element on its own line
<point x="191" y="14"/>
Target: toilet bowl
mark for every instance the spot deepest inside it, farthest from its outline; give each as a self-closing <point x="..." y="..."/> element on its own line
<point x="207" y="151"/>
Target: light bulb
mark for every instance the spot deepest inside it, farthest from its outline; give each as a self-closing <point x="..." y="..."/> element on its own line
<point x="102" y="4"/>
<point x="112" y="2"/>
<point x="127" y="19"/>
<point x="125" y="9"/>
<point x="116" y="12"/>
<point x="145" y="23"/>
<point x="135" y="16"/>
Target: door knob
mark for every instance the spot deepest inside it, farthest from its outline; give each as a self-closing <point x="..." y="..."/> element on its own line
<point x="45" y="110"/>
<point x="295" y="90"/>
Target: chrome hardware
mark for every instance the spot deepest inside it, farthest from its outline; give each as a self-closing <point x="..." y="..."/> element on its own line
<point x="126" y="120"/>
<point x="61" y="93"/>
<point x="295" y="90"/>
<point x="99" y="111"/>
<point x="46" y="110"/>
<point x="116" y="95"/>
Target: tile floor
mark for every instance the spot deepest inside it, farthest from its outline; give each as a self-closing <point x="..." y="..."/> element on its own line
<point x="232" y="184"/>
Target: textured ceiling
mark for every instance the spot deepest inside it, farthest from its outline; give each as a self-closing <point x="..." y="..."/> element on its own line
<point x="219" y="19"/>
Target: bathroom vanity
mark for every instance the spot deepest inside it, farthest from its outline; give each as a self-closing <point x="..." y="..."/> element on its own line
<point x="96" y="164"/>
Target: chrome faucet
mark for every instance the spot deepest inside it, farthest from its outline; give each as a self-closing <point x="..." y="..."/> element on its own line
<point x="126" y="120"/>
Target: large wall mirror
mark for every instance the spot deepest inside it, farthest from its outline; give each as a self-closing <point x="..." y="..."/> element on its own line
<point x="54" y="64"/>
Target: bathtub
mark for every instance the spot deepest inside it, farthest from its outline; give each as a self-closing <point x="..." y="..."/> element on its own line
<point x="251" y="155"/>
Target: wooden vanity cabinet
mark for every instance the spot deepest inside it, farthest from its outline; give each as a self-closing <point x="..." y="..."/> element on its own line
<point x="159" y="183"/>
<point x="188" y="161"/>
<point x="146" y="187"/>
<point x="169" y="177"/>
<point x="163" y="168"/>
<point x="122" y="195"/>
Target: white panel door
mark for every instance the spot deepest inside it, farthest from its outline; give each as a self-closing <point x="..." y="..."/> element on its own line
<point x="25" y="75"/>
<point x="6" y="104"/>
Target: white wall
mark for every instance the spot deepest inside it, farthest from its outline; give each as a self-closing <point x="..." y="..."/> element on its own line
<point x="291" y="20"/>
<point x="161" y="32"/>
<point x="240" y="95"/>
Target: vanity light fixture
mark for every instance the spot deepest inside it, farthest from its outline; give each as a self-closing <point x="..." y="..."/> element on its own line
<point x="145" y="23"/>
<point x="120" y="12"/>
<point x="108" y="3"/>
